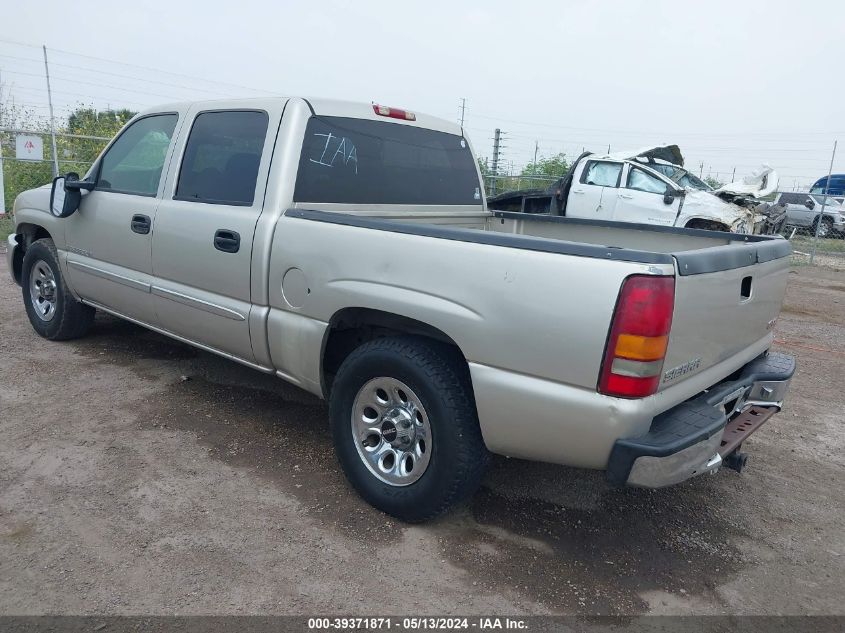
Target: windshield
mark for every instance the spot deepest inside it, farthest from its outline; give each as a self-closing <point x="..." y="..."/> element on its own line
<point x="680" y="176"/>
<point x="694" y="182"/>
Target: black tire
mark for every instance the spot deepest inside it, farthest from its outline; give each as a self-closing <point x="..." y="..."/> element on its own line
<point x="825" y="230"/>
<point x="439" y="376"/>
<point x="71" y="319"/>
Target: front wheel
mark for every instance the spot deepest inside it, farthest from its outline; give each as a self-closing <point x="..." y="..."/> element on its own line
<point x="825" y="229"/>
<point x="51" y="308"/>
<point x="405" y="427"/>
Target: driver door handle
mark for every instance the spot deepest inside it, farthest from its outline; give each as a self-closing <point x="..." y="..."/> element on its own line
<point x="626" y="196"/>
<point x="141" y="224"/>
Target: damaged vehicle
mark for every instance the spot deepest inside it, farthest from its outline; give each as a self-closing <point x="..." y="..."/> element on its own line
<point x="651" y="186"/>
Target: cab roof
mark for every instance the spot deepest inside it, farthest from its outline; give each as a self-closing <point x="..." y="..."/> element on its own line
<point x="319" y="106"/>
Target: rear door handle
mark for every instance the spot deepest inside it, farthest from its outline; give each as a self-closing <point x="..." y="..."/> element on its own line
<point x="227" y="241"/>
<point x="578" y="191"/>
<point x="626" y="196"/>
<point x="141" y="224"/>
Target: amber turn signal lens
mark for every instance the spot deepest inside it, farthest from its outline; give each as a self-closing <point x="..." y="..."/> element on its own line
<point x="636" y="347"/>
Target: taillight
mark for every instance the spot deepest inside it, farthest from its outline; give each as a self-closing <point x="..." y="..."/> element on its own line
<point x="394" y="113"/>
<point x="638" y="337"/>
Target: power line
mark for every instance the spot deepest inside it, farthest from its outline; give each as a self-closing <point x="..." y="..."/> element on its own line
<point x="157" y="70"/>
<point x="111" y="74"/>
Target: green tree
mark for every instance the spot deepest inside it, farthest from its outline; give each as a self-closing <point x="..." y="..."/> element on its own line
<point x="713" y="182"/>
<point x="75" y="152"/>
<point x="548" y="166"/>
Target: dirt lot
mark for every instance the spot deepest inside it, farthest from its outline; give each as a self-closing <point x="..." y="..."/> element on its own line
<point x="127" y="488"/>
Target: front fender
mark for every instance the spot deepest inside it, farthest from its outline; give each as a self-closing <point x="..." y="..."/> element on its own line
<point x="32" y="211"/>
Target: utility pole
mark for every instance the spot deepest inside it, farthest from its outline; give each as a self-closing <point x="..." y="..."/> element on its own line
<point x="52" y="122"/>
<point x="497" y="135"/>
<point x="824" y="203"/>
<point x="701" y="169"/>
<point x="463" y="110"/>
<point x="733" y="175"/>
<point x="536" y="147"/>
<point x="608" y="148"/>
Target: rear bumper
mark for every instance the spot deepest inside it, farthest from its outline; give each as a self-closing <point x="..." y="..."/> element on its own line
<point x="693" y="437"/>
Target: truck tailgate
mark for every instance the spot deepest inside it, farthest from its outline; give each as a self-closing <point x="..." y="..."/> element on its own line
<point x="719" y="314"/>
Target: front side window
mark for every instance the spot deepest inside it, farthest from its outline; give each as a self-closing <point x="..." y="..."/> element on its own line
<point x="602" y="174"/>
<point x="134" y="162"/>
<point x="222" y="156"/>
<point x="359" y="161"/>
<point x="641" y="181"/>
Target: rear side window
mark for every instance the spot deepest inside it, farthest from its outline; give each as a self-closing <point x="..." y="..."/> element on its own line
<point x="134" y="162"/>
<point x="793" y="198"/>
<point x="356" y="161"/>
<point x="602" y="174"/>
<point x="222" y="157"/>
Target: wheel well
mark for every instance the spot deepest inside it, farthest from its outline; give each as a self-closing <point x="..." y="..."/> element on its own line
<point x="351" y="327"/>
<point x="28" y="233"/>
<point x="707" y="225"/>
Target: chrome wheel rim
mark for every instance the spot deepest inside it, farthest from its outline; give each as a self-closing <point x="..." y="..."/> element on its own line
<point x="42" y="290"/>
<point x="391" y="431"/>
<point x="823" y="229"/>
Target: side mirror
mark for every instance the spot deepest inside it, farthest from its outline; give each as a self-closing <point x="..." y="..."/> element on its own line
<point x="810" y="204"/>
<point x="669" y="196"/>
<point x="66" y="194"/>
<point x="62" y="201"/>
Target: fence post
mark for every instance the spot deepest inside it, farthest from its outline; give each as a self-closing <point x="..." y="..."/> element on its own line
<point x="2" y="184"/>
<point x="824" y="204"/>
<point x="52" y="121"/>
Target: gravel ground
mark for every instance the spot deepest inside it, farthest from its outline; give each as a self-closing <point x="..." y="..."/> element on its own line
<point x="140" y="476"/>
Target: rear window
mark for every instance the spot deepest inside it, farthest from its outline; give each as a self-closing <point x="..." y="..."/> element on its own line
<point x="372" y="162"/>
<point x="793" y="198"/>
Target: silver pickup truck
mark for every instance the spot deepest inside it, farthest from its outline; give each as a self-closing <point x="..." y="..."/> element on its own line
<point x="347" y="249"/>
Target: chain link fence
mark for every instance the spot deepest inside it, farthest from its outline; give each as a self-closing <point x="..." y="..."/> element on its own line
<point x="75" y="153"/>
<point x="494" y="185"/>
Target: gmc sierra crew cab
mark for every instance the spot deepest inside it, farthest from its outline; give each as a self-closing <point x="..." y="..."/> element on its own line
<point x="347" y="249"/>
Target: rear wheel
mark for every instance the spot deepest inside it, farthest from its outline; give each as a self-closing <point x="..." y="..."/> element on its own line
<point x="51" y="308"/>
<point x="405" y="427"/>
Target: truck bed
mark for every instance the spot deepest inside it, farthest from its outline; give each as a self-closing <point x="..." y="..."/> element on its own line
<point x="728" y="286"/>
<point x="695" y="251"/>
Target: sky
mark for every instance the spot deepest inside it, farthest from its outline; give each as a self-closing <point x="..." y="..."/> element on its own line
<point x="735" y="84"/>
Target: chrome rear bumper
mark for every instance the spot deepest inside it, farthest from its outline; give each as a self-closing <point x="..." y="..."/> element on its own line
<point x="692" y="439"/>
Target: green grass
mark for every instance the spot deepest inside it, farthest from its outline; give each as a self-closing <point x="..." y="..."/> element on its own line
<point x="7" y="225"/>
<point x="801" y="243"/>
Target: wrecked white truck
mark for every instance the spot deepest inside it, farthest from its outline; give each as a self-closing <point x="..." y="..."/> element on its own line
<point x="651" y="186"/>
